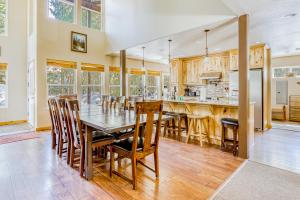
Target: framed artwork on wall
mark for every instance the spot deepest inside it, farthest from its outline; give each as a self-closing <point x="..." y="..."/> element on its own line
<point x="78" y="42"/>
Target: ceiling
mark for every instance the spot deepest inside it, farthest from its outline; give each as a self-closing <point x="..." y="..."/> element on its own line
<point x="274" y="22"/>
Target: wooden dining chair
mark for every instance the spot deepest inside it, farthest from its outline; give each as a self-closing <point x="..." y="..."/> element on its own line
<point x="54" y="129"/>
<point x="100" y="139"/>
<point x="138" y="147"/>
<point x="71" y="97"/>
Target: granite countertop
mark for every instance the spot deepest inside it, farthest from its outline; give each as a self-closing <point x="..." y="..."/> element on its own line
<point x="222" y="103"/>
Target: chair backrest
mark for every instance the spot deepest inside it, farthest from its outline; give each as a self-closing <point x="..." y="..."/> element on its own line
<point x="78" y="137"/>
<point x="132" y="100"/>
<point x="149" y="110"/>
<point x="64" y="118"/>
<point x="51" y="102"/>
<point x="121" y="102"/>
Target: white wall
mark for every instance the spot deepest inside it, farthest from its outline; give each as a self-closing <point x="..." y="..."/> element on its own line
<point x="286" y="61"/>
<point x="53" y="41"/>
<point x="133" y="22"/>
<point x="13" y="52"/>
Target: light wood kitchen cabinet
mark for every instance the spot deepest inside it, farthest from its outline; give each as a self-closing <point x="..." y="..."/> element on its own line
<point x="234" y="60"/>
<point x="192" y="71"/>
<point x="175" y="65"/>
<point x="258" y="54"/>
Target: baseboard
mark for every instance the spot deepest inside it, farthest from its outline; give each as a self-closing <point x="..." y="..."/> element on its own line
<point x="13" y="122"/>
<point x="46" y="128"/>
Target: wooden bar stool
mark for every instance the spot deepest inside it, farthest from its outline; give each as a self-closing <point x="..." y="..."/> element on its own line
<point x="198" y="127"/>
<point x="233" y="124"/>
<point x="174" y="125"/>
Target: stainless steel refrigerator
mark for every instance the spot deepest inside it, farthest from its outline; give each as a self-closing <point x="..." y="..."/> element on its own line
<point x="255" y="93"/>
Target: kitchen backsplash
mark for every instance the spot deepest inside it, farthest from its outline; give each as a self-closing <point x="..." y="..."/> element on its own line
<point x="217" y="90"/>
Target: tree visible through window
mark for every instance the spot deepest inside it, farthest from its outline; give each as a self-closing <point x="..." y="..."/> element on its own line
<point x="91" y="14"/>
<point x="61" y="81"/>
<point x="3" y="87"/>
<point x="152" y="85"/>
<point x="91" y="87"/>
<point x="114" y="84"/>
<point x="63" y="10"/>
<point x="3" y="16"/>
<point x="136" y="85"/>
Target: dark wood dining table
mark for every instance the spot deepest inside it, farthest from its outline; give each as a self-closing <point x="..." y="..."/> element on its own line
<point x="108" y="120"/>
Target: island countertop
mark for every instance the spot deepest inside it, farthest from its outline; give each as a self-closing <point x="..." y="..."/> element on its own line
<point x="213" y="103"/>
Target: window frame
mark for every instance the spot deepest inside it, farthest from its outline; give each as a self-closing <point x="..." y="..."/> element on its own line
<point x="69" y="3"/>
<point x="61" y="85"/>
<point x="158" y="85"/>
<point x="5" y="33"/>
<point x="92" y="85"/>
<point x="290" y="68"/>
<point x="136" y="86"/>
<point x="114" y="85"/>
<point x="6" y="90"/>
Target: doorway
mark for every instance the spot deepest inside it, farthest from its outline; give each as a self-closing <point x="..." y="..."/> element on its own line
<point x="31" y="93"/>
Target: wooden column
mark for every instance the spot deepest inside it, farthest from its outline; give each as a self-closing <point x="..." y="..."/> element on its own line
<point x="268" y="79"/>
<point x="123" y="72"/>
<point x="243" y="87"/>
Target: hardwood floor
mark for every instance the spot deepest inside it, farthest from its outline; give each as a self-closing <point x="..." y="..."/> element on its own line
<point x="31" y="170"/>
<point x="278" y="148"/>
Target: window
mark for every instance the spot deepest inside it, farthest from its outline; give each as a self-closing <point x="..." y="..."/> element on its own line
<point x="153" y="84"/>
<point x="114" y="81"/>
<point x="3" y="17"/>
<point x="136" y="82"/>
<point x="3" y="85"/>
<point x="61" y="78"/>
<point x="166" y="81"/>
<point x="91" y="83"/>
<point x="281" y="72"/>
<point x="63" y="10"/>
<point x="91" y="14"/>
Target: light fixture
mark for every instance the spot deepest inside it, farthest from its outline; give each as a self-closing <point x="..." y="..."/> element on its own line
<point x="143" y="62"/>
<point x="289" y="15"/>
<point x="169" y="50"/>
<point x="206" y="59"/>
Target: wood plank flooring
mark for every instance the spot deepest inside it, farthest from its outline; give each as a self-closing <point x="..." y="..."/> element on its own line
<point x="31" y="170"/>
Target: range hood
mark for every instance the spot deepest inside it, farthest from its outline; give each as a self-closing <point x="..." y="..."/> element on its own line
<point x="211" y="75"/>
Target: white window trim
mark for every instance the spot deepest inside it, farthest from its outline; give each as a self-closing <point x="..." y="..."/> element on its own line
<point x="74" y="84"/>
<point x="69" y="3"/>
<point x="5" y="33"/>
<point x="136" y="86"/>
<point x="94" y="85"/>
<point x="101" y="16"/>
<point x="286" y="67"/>
<point x="6" y="91"/>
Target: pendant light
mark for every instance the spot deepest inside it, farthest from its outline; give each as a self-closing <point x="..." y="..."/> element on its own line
<point x="143" y="62"/>
<point x="169" y="50"/>
<point x="206" y="59"/>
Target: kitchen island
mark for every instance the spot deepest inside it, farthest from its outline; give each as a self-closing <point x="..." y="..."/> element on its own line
<point x="216" y="111"/>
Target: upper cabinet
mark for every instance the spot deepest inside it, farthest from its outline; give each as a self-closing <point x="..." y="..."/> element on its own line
<point x="175" y="66"/>
<point x="256" y="57"/>
<point x="192" y="71"/>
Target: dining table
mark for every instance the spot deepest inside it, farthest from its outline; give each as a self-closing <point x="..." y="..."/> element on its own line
<point x="107" y="120"/>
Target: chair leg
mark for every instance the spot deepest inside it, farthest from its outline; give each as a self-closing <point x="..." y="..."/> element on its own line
<point x="199" y="122"/>
<point x="156" y="163"/>
<point x="166" y="128"/>
<point x="72" y="155"/>
<point x="179" y="129"/>
<point x="60" y="145"/>
<point x="53" y="139"/>
<point x="82" y="158"/>
<point x="112" y="156"/>
<point x="69" y="152"/>
<point x="190" y="130"/>
<point x="133" y="165"/>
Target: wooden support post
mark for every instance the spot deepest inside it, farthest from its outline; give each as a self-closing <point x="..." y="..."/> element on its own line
<point x="123" y="72"/>
<point x="244" y="87"/>
<point x="268" y="79"/>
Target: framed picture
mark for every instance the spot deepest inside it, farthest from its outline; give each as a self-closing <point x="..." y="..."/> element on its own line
<point x="78" y="42"/>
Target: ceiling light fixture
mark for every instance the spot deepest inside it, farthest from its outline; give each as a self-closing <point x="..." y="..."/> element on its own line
<point x="289" y="15"/>
<point x="206" y="59"/>
<point x="169" y="50"/>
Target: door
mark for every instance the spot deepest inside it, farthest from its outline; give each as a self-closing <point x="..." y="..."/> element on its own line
<point x="282" y="92"/>
<point x="31" y="93"/>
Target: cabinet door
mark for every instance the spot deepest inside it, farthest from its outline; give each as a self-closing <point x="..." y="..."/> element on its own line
<point x="189" y="72"/>
<point x="252" y="58"/>
<point x="259" y="57"/>
<point x="174" y="72"/>
<point x="185" y="72"/>
<point x="197" y="65"/>
<point x="234" y="61"/>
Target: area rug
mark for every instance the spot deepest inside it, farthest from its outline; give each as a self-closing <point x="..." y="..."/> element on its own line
<point x="289" y="127"/>
<point x="255" y="181"/>
<point x="17" y="137"/>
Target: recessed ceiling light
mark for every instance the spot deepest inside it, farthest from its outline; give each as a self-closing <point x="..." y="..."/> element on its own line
<point x="289" y="15"/>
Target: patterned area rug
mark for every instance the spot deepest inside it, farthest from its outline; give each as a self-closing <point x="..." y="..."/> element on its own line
<point x="17" y="137"/>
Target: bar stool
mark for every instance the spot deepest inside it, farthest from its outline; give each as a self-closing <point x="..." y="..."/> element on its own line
<point x="197" y="128"/>
<point x="233" y="124"/>
<point x="174" y="125"/>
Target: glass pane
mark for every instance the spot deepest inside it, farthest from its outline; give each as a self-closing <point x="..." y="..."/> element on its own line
<point x="2" y="16"/>
<point x="296" y="71"/>
<point x="166" y="81"/>
<point x="136" y="80"/>
<point x="68" y="76"/>
<point x="114" y="78"/>
<point x="84" y="94"/>
<point x="67" y="90"/>
<point x="62" y="10"/>
<point x="53" y="75"/>
<point x="152" y="92"/>
<point x="114" y="91"/>
<point x="152" y="81"/>
<point x="96" y="94"/>
<point x="136" y="91"/>
<point x="84" y="78"/>
<point x="280" y="72"/>
<point x="2" y="95"/>
<point x="54" y="91"/>
<point x="2" y="77"/>
<point x="91" y="14"/>
<point x="95" y="78"/>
